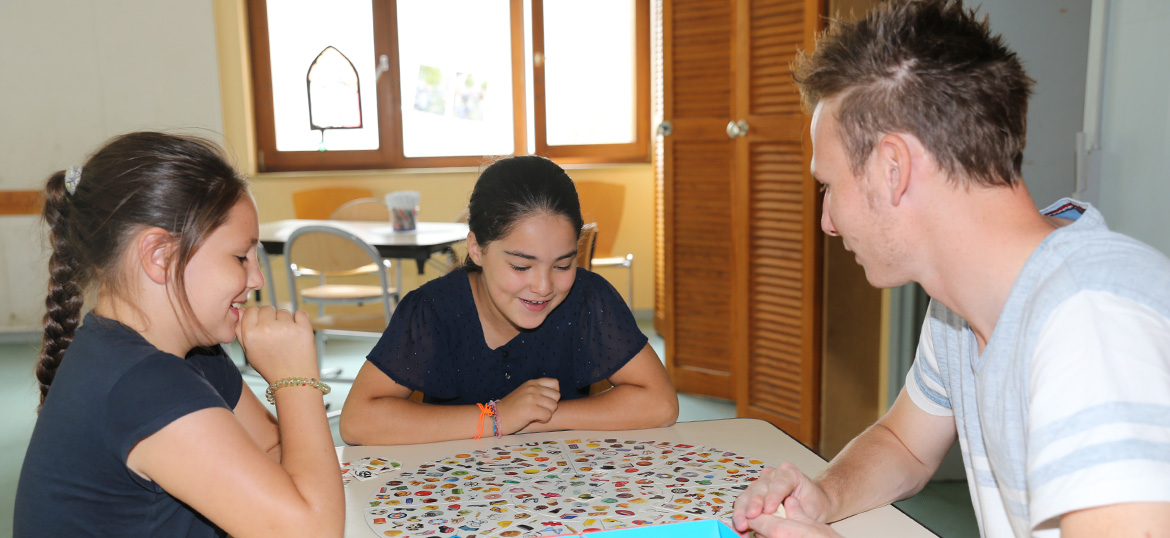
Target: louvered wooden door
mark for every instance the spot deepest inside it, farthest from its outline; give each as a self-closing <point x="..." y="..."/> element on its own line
<point x="778" y="302"/>
<point x="742" y="250"/>
<point x="697" y="165"/>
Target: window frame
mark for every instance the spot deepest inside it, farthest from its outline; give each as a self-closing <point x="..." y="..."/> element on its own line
<point x="389" y="154"/>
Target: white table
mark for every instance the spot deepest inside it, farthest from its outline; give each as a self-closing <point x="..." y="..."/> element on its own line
<point x="419" y="244"/>
<point x="749" y="437"/>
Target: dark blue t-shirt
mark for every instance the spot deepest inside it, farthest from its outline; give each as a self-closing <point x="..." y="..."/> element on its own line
<point x="112" y="390"/>
<point x="435" y="344"/>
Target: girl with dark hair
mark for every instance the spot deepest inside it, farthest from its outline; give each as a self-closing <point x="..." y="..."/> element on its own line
<point x="511" y="341"/>
<point x="145" y="428"/>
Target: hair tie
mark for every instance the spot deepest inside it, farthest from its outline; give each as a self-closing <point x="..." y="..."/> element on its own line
<point x="72" y="178"/>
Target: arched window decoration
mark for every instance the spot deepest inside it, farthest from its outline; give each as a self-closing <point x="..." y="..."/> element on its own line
<point x="335" y="94"/>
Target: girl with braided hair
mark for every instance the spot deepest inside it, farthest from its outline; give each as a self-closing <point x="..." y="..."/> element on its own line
<point x="144" y="427"/>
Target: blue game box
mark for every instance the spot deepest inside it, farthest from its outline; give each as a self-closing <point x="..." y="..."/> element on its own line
<point x="707" y="528"/>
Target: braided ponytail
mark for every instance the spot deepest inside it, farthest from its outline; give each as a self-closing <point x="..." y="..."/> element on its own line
<point x="181" y="184"/>
<point x="64" y="300"/>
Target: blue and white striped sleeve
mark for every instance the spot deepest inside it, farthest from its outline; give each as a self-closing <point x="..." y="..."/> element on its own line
<point x="1099" y="407"/>
<point x="924" y="382"/>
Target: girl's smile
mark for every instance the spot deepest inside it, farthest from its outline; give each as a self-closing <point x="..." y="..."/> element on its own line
<point x="224" y="271"/>
<point x="525" y="275"/>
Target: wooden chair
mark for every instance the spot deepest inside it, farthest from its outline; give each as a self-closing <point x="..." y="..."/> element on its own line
<point x="319" y="204"/>
<point x="602" y="203"/>
<point x="586" y="244"/>
<point x="447" y="260"/>
<point x="369" y="209"/>
<point x="328" y="254"/>
<point x="362" y="209"/>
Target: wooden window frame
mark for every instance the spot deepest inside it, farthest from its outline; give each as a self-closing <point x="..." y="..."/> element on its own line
<point x="636" y="151"/>
<point x="389" y="154"/>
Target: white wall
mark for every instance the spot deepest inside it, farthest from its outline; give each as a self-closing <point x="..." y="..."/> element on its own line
<point x="1134" y="172"/>
<point x="1051" y="37"/>
<point x="74" y="73"/>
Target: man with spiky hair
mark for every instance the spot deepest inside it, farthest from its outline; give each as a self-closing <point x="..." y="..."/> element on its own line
<point x="1046" y="347"/>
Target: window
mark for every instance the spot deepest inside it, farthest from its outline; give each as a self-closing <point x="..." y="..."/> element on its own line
<point x="369" y="84"/>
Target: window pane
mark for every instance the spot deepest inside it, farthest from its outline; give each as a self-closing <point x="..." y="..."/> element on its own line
<point x="298" y="31"/>
<point x="589" y="90"/>
<point x="455" y="66"/>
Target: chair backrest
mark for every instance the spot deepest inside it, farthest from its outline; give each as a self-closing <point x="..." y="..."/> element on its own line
<point x="602" y="203"/>
<point x="586" y="244"/>
<point x="329" y="250"/>
<point x="320" y="203"/>
<point x="362" y="209"/>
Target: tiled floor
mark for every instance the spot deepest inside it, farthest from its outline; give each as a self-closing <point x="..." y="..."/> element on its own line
<point x="944" y="507"/>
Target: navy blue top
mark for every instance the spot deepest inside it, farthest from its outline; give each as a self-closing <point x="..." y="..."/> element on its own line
<point x="112" y="390"/>
<point x="435" y="344"/>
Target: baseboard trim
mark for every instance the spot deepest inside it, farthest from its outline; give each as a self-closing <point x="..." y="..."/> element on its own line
<point x="20" y="336"/>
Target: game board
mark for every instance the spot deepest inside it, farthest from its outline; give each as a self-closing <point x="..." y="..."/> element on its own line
<point x="557" y="487"/>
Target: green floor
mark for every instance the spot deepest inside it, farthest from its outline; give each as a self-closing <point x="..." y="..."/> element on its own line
<point x="944" y="507"/>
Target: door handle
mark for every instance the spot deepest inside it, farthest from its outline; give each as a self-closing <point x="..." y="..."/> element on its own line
<point x="736" y="129"/>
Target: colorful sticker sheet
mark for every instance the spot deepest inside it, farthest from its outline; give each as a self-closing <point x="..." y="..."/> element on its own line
<point x="366" y="468"/>
<point x="558" y="487"/>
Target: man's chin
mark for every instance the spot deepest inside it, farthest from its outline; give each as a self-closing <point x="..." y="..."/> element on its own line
<point x="883" y="281"/>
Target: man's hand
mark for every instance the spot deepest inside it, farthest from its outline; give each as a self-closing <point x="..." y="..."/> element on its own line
<point x="795" y="523"/>
<point x="534" y="401"/>
<point x="777" y="485"/>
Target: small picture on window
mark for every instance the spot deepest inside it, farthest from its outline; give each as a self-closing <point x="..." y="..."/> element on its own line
<point x="430" y="94"/>
<point x="469" y="94"/>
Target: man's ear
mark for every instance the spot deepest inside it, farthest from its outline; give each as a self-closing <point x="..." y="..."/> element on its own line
<point x="894" y="157"/>
<point x="473" y="249"/>
<point x="155" y="248"/>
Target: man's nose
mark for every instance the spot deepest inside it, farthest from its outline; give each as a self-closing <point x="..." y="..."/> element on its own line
<point x="827" y="222"/>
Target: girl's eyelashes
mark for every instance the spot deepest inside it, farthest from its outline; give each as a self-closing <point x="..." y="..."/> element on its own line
<point x="247" y="256"/>
<point x="557" y="267"/>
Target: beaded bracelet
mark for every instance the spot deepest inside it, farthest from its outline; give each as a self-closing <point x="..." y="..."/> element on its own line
<point x="496" y="427"/>
<point x="270" y="394"/>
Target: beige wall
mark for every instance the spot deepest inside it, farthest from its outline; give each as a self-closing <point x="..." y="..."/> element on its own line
<point x="443" y="192"/>
<point x="75" y="73"/>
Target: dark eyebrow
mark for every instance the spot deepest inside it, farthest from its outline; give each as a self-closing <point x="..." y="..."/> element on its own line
<point x="533" y="258"/>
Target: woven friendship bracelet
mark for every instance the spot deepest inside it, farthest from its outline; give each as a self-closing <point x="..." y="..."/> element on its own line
<point x="485" y="410"/>
<point x="270" y="394"/>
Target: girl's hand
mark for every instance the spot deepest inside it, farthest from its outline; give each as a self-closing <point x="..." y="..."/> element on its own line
<point x="534" y="401"/>
<point x="278" y="344"/>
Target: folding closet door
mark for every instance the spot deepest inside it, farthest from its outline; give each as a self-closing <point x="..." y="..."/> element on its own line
<point x="740" y="297"/>
<point x="697" y="164"/>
